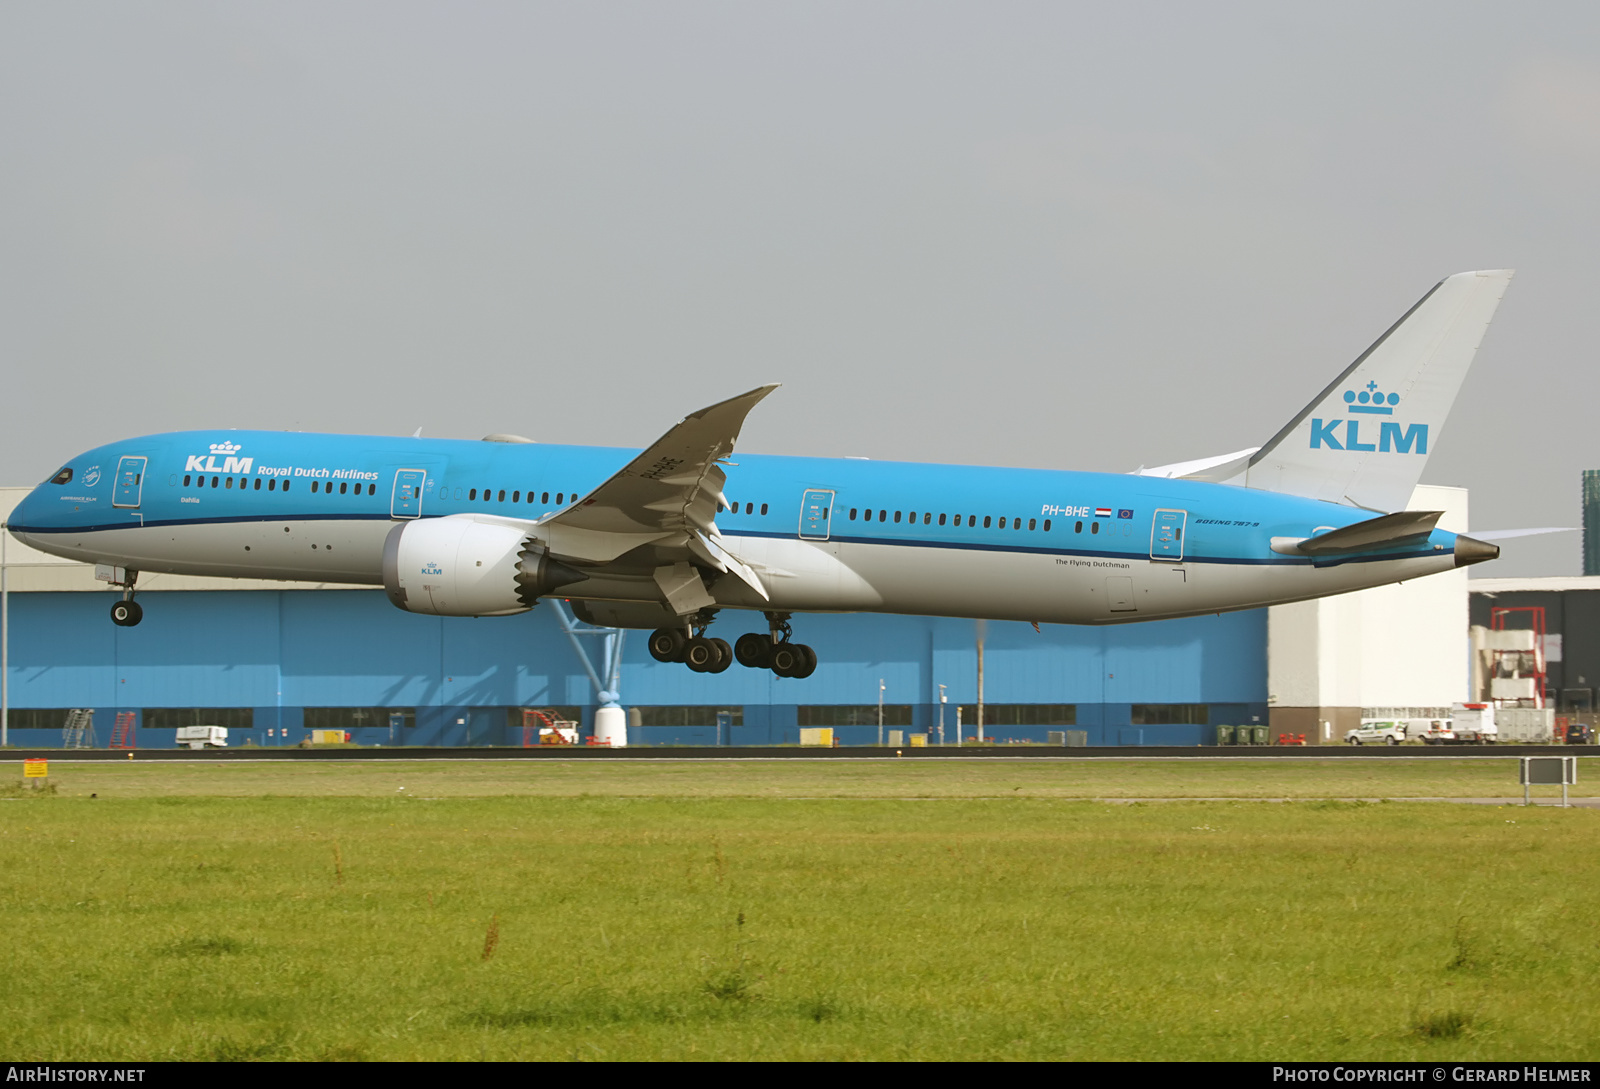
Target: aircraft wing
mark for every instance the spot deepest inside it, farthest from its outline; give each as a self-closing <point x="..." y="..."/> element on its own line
<point x="667" y="496"/>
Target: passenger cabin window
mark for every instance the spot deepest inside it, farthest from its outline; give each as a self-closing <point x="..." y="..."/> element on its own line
<point x="1077" y="527"/>
<point x="852" y="514"/>
<point x="258" y="484"/>
<point x="763" y="508"/>
<point x="1094" y="527"/>
<point x="502" y="498"/>
<point x="1047" y="525"/>
<point x="272" y="485"/>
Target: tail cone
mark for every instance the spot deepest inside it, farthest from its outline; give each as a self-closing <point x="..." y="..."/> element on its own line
<point x="1469" y="551"/>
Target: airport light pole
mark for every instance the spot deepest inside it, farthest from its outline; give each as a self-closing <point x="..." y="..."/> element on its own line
<point x="982" y="628"/>
<point x="942" y="700"/>
<point x="880" y="712"/>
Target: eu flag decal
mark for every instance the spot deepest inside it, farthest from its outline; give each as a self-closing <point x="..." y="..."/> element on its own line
<point x="1124" y="514"/>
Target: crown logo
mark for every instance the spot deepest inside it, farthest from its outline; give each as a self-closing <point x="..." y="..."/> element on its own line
<point x="1370" y="401"/>
<point x="225" y="448"/>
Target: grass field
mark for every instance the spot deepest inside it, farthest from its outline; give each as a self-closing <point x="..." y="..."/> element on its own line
<point x="772" y="910"/>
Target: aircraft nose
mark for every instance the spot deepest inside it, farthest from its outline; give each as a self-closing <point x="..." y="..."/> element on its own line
<point x="1470" y="551"/>
<point x="22" y="515"/>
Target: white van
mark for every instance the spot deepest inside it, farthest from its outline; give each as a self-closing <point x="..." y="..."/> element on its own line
<point x="1377" y="731"/>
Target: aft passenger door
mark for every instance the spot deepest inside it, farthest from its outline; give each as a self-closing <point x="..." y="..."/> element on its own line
<point x="816" y="515"/>
<point x="1166" y="535"/>
<point x="406" y="501"/>
<point x="130" y="482"/>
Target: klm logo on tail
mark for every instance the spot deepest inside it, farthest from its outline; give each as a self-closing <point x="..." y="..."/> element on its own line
<point x="1392" y="437"/>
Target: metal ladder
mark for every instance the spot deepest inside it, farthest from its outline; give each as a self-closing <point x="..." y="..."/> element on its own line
<point x="78" y="733"/>
<point x="122" y="735"/>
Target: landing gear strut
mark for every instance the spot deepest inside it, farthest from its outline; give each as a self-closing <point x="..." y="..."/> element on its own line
<point x="775" y="650"/>
<point x="127" y="612"/>
<point x="690" y="646"/>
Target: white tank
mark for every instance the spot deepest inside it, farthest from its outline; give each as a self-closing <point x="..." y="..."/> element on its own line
<point x="611" y="727"/>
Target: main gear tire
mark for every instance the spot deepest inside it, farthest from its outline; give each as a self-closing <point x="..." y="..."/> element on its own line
<point x="667" y="644"/>
<point x="786" y="659"/>
<point x="700" y="654"/>
<point x="753" y="650"/>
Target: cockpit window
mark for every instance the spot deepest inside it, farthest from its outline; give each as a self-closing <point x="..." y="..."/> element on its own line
<point x="63" y="477"/>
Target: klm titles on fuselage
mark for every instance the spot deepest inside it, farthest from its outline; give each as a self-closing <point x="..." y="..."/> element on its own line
<point x="207" y="463"/>
<point x="1392" y="438"/>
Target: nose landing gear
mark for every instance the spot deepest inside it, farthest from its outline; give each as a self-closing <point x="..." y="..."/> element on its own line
<point x="127" y="612"/>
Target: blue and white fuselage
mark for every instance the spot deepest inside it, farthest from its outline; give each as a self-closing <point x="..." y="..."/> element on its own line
<point x="826" y="534"/>
<point x="667" y="537"/>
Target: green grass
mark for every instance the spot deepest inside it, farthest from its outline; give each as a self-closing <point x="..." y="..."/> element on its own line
<point x="830" y="912"/>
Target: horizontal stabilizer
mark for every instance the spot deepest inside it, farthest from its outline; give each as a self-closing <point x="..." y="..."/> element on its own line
<point x="1227" y="464"/>
<point x="1508" y="534"/>
<point x="1381" y="532"/>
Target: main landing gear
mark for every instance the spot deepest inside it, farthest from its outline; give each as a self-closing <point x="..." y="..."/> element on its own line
<point x="691" y="647"/>
<point x="773" y="651"/>
<point x="776" y="650"/>
<point x="127" y="612"/>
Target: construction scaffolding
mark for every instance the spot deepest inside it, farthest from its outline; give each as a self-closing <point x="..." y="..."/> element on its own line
<point x="1510" y="661"/>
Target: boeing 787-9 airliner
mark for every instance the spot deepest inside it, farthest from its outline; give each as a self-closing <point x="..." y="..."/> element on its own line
<point x="670" y="537"/>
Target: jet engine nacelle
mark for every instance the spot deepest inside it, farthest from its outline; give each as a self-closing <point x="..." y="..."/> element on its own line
<point x="460" y="566"/>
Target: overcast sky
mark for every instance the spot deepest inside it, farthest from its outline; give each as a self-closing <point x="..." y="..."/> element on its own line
<point x="1083" y="236"/>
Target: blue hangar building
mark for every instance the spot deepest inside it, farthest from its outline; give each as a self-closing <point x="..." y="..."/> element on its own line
<point x="273" y="661"/>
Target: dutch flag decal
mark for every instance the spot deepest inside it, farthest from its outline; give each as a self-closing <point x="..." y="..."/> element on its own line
<point x="1102" y="512"/>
